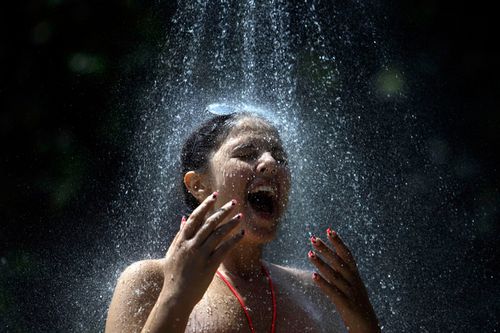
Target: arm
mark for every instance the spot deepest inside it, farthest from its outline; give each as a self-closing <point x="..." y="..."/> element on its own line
<point x="171" y="311"/>
<point x="142" y="303"/>
<point x="159" y="296"/>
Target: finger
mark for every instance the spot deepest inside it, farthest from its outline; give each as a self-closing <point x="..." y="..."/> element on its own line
<point x="183" y="221"/>
<point x="213" y="221"/>
<point x="341" y="249"/>
<point x="333" y="259"/>
<point x="218" y="255"/>
<point x="335" y="294"/>
<point x="330" y="274"/>
<point x="198" y="216"/>
<point x="221" y="232"/>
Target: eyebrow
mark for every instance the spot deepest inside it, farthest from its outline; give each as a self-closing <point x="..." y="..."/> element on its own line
<point x="249" y="145"/>
<point x="244" y="146"/>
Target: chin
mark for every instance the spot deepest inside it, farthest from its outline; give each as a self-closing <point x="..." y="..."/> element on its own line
<point x="260" y="227"/>
<point x="259" y="235"/>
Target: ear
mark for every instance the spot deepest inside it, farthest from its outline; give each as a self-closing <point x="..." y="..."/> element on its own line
<point x="196" y="185"/>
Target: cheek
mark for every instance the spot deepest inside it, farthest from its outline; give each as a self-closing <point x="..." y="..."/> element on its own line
<point x="235" y="175"/>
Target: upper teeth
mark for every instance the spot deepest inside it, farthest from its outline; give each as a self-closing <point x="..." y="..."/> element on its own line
<point x="264" y="188"/>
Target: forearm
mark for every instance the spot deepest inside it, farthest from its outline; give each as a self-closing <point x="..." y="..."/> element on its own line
<point x="169" y="314"/>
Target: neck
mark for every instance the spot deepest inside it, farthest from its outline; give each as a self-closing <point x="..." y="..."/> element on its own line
<point x="244" y="261"/>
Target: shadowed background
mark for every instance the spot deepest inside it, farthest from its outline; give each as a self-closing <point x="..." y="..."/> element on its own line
<point x="71" y="70"/>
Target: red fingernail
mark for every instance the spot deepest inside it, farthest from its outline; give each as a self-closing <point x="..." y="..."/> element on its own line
<point x="315" y="276"/>
<point x="311" y="254"/>
<point x="239" y="216"/>
<point x="331" y="232"/>
<point x="183" y="220"/>
<point x="313" y="239"/>
<point x="233" y="202"/>
<point x="215" y="194"/>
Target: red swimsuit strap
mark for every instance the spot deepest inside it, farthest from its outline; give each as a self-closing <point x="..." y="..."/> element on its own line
<point x="273" y="296"/>
<point x="242" y="303"/>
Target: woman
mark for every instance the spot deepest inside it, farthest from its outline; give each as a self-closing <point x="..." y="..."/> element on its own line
<point x="213" y="279"/>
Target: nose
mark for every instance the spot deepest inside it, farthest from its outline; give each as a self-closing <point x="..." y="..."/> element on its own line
<point x="266" y="164"/>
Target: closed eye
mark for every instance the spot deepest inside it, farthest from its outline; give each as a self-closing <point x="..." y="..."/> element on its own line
<point x="246" y="154"/>
<point x="250" y="152"/>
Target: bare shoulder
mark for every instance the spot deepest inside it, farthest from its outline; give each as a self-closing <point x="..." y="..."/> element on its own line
<point x="144" y="270"/>
<point x="135" y="294"/>
<point x="292" y="274"/>
<point x="141" y="279"/>
<point x="299" y="283"/>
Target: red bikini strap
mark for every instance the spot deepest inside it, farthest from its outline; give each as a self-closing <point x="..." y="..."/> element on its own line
<point x="271" y="286"/>
<point x="243" y="306"/>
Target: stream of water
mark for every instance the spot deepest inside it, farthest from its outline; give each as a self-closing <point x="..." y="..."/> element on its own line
<point x="363" y="156"/>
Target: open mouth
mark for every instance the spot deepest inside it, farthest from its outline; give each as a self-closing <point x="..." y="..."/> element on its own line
<point x="263" y="200"/>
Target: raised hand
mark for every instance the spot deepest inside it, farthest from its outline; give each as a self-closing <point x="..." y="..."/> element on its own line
<point x="191" y="262"/>
<point x="339" y="279"/>
<point x="199" y="247"/>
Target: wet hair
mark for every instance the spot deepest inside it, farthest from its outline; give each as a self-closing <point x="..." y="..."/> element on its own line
<point x="202" y="142"/>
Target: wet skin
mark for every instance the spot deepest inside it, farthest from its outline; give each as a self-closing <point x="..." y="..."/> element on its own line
<point x="252" y="155"/>
<point x="226" y="233"/>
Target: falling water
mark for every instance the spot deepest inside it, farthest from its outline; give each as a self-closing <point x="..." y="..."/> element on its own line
<point x="358" y="151"/>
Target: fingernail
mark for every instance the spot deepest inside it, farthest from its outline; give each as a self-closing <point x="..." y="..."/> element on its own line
<point x="313" y="239"/>
<point x="215" y="194"/>
<point x="233" y="202"/>
<point x="315" y="276"/>
<point x="183" y="220"/>
<point x="311" y="254"/>
<point x="239" y="216"/>
<point x="331" y="233"/>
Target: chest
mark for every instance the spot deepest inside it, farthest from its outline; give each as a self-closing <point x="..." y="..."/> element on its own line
<point x="220" y="311"/>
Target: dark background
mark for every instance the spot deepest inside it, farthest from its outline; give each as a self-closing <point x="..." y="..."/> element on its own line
<point x="70" y="71"/>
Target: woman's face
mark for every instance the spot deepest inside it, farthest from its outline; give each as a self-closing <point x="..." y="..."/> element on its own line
<point x="250" y="166"/>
